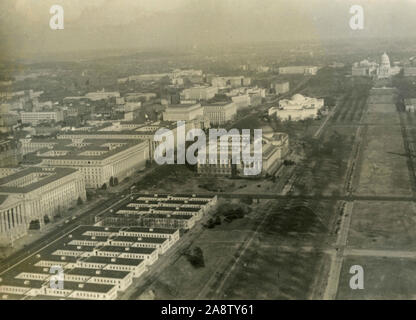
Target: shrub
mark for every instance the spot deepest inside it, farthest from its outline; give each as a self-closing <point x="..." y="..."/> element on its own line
<point x="196" y="257"/>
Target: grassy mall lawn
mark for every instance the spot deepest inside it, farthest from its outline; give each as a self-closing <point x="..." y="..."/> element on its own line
<point x="265" y="272"/>
<point x="384" y="169"/>
<point x="382" y="114"/>
<point x="303" y="222"/>
<point x="327" y="160"/>
<point x="384" y="278"/>
<point x="383" y="225"/>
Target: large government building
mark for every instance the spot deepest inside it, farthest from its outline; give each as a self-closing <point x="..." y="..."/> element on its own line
<point x="275" y="147"/>
<point x="220" y="112"/>
<point x="99" y="160"/>
<point x="34" y="196"/>
<point x="183" y="112"/>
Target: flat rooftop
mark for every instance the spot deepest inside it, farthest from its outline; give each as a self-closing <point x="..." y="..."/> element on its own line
<point x="87" y="287"/>
<point x="115" y="261"/>
<point x="139" y="239"/>
<point x="119" y="249"/>
<point x="183" y="106"/>
<point x="41" y="177"/>
<point x="103" y="273"/>
<point x="92" y="149"/>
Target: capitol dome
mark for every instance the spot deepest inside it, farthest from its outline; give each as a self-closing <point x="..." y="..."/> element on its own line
<point x="385" y="60"/>
<point x="298" y="97"/>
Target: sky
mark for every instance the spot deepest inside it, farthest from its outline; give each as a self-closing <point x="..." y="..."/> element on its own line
<point x="119" y="24"/>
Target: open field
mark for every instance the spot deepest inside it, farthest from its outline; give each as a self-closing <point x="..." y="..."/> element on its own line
<point x="383" y="108"/>
<point x="383" y="225"/>
<point x="183" y="281"/>
<point x="351" y="108"/>
<point x="326" y="166"/>
<point x="384" y="278"/>
<point x="251" y="246"/>
<point x="382" y="114"/>
<point x="180" y="177"/>
<point x="383" y="167"/>
<point x="219" y="245"/>
<point x="265" y="272"/>
<point x="284" y="261"/>
<point x="381" y="235"/>
<point x="324" y="170"/>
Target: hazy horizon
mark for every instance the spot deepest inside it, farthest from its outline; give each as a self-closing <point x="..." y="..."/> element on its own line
<point x="126" y="24"/>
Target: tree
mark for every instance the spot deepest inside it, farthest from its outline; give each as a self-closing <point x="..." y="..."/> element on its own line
<point x="210" y="224"/>
<point x="196" y="257"/>
<point x="217" y="220"/>
<point x="247" y="200"/>
<point x="34" y="225"/>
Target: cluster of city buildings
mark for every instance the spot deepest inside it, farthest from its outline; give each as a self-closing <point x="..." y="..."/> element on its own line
<point x="204" y="88"/>
<point x="100" y="262"/>
<point x="177" y="77"/>
<point x="48" y="169"/>
<point x="25" y="107"/>
<point x="409" y="67"/>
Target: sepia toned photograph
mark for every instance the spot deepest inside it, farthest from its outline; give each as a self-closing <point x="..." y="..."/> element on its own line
<point x="229" y="151"/>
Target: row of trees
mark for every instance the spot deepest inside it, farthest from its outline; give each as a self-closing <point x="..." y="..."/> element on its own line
<point x="113" y="182"/>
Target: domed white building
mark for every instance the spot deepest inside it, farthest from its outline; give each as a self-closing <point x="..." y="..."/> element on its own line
<point x="297" y="108"/>
<point x="384" y="70"/>
<point x="298" y="98"/>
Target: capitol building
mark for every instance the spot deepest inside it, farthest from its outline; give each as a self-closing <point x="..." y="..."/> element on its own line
<point x="382" y="70"/>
